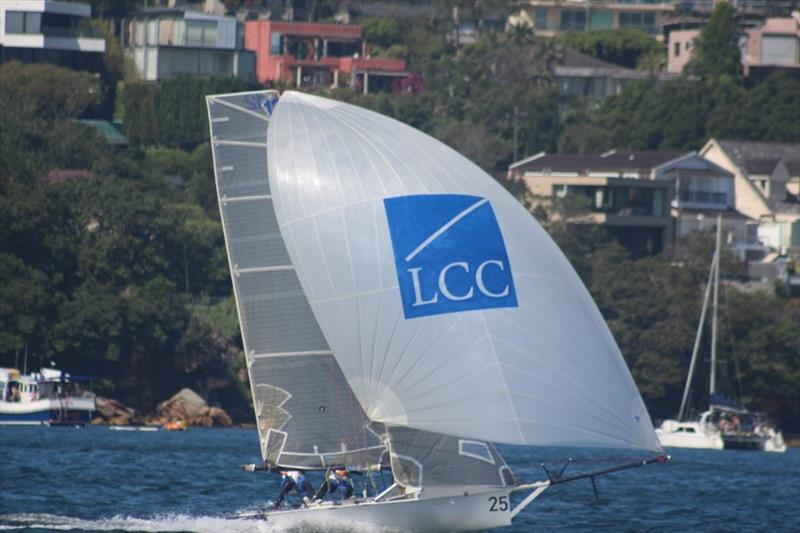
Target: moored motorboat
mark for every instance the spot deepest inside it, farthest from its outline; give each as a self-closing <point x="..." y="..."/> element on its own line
<point x="47" y="397"/>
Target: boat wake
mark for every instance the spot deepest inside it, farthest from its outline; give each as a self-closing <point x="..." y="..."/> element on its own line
<point x="173" y="522"/>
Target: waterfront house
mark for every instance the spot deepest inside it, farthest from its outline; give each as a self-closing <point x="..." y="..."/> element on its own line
<point x="644" y="199"/>
<point x="308" y="54"/>
<point x="46" y="31"/>
<point x="166" y="42"/>
<point x="767" y="182"/>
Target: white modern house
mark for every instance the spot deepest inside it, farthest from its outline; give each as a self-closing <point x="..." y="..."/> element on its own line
<point x="166" y="42"/>
<point x="47" y="31"/>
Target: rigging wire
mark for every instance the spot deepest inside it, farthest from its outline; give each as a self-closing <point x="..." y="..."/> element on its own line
<point x="732" y="344"/>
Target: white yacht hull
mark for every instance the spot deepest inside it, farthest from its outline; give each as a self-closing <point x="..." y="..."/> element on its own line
<point x="674" y="434"/>
<point x="466" y="512"/>
<point x="47" y="411"/>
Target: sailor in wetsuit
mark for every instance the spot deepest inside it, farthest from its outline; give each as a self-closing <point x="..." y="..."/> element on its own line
<point x="336" y="480"/>
<point x="294" y="480"/>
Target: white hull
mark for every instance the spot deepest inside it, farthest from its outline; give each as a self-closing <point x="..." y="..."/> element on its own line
<point x="674" y="434"/>
<point x="485" y="510"/>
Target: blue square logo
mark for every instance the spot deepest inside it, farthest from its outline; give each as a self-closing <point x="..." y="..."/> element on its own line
<point x="449" y="254"/>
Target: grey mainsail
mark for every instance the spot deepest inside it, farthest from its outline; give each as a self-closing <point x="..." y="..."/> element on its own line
<point x="306" y="412"/>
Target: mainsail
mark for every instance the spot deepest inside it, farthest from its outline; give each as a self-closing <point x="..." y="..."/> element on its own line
<point x="306" y="412"/>
<point x="448" y="308"/>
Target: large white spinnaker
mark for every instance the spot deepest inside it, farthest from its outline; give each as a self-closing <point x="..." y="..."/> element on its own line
<point x="447" y="306"/>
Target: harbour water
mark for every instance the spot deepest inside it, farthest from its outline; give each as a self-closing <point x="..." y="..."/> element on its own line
<point x="94" y="479"/>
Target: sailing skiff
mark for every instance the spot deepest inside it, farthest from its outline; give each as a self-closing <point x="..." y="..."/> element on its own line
<point x="402" y="312"/>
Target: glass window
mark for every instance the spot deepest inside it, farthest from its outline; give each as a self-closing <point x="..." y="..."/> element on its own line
<point x="676" y="49"/>
<point x="643" y="21"/>
<point x="152" y="32"/>
<point x="33" y="22"/>
<point x="194" y="33"/>
<point x="540" y="19"/>
<point x="275" y="43"/>
<point x="602" y="20"/>
<point x="573" y="20"/>
<point x="210" y="34"/>
<point x="15" y="22"/>
<point x="476" y="450"/>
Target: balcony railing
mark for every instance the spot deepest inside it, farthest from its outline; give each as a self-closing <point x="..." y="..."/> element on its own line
<point x="67" y="33"/>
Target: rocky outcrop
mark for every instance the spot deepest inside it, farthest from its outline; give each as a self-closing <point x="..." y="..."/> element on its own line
<point x="189" y="407"/>
<point x="186" y="407"/>
<point x="115" y="413"/>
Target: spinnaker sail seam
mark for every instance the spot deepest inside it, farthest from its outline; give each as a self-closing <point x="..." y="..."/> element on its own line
<point x="422" y="354"/>
<point x="620" y="427"/>
<point x="597" y="400"/>
<point x="422" y="395"/>
<point x="589" y="367"/>
<point x="503" y="379"/>
<point x="354" y="122"/>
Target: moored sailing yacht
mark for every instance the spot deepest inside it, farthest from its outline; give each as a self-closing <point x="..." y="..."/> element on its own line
<point x="402" y="313"/>
<point x="726" y="423"/>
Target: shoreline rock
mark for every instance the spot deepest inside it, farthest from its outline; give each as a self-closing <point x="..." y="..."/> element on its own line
<point x="185" y="407"/>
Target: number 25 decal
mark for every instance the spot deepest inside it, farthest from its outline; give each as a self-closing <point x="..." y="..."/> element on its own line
<point x="498" y="503"/>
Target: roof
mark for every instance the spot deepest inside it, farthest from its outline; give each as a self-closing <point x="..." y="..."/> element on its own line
<point x="761" y="166"/>
<point x="638" y="161"/>
<point x="742" y="153"/>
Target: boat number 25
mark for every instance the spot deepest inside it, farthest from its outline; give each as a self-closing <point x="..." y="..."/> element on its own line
<point x="498" y="503"/>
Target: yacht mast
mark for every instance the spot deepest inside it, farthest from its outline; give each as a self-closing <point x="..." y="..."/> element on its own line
<point x="713" y="382"/>
<point x="698" y="336"/>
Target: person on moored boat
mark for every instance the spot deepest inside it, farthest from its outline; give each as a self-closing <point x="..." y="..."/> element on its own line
<point x="336" y="480"/>
<point x="294" y="480"/>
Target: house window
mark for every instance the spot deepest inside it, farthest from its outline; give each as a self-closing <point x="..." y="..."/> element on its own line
<point x="677" y="49"/>
<point x="275" y="44"/>
<point x="23" y="22"/>
<point x="602" y="20"/>
<point x="643" y="21"/>
<point x="540" y="19"/>
<point x="201" y="33"/>
<point x="573" y="20"/>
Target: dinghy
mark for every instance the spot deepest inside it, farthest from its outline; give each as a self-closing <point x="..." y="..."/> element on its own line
<point x="402" y="312"/>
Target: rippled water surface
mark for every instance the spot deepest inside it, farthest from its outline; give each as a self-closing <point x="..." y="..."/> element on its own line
<point x="94" y="479"/>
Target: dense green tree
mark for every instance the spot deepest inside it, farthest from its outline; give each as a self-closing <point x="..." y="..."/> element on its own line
<point x="716" y="52"/>
<point x="630" y="48"/>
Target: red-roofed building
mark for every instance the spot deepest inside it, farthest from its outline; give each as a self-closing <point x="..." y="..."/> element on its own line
<point x="310" y="54"/>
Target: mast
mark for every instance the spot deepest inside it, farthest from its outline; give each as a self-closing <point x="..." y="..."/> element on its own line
<point x="697" y="337"/>
<point x="713" y="382"/>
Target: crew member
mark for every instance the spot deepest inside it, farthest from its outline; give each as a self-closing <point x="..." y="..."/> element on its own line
<point x="336" y="480"/>
<point x="294" y="480"/>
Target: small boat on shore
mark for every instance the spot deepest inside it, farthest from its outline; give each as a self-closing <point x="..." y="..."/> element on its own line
<point x="49" y="397"/>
